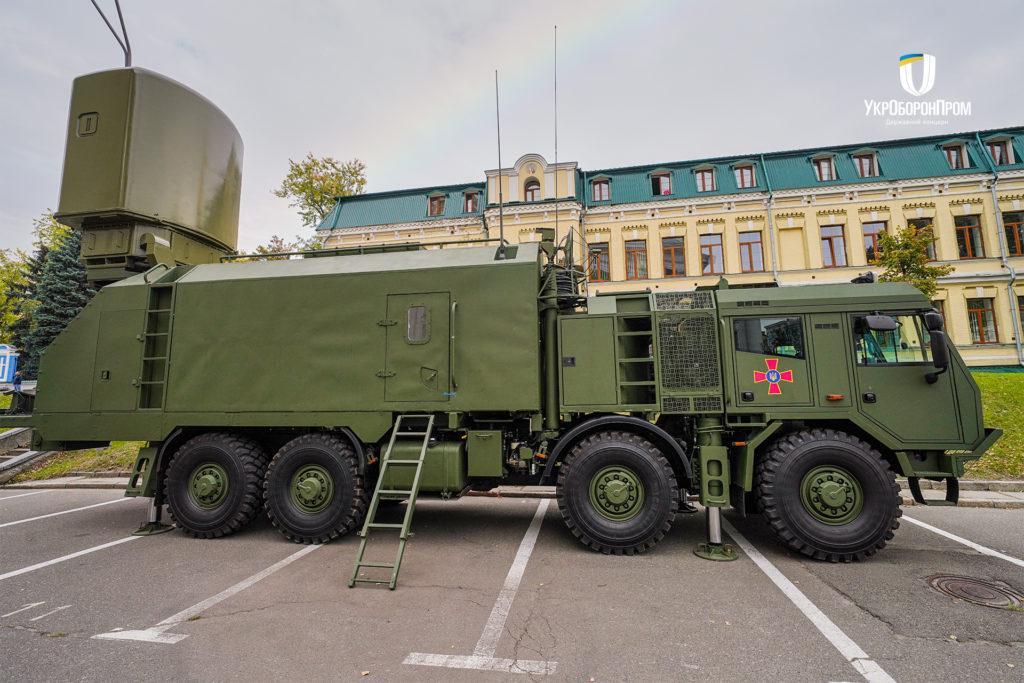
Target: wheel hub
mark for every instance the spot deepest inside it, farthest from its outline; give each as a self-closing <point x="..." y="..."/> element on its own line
<point x="312" y="488"/>
<point x="831" y="495"/>
<point x="208" y="485"/>
<point x="616" y="493"/>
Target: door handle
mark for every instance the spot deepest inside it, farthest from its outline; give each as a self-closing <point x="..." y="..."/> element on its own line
<point x="451" y="359"/>
<point x="869" y="397"/>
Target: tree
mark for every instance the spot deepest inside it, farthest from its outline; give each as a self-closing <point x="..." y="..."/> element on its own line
<point x="62" y="291"/>
<point x="312" y="184"/>
<point x="20" y="297"/>
<point x="904" y="256"/>
<point x="12" y="277"/>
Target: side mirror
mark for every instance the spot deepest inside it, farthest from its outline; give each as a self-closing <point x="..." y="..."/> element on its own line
<point x="940" y="355"/>
<point x="882" y="323"/>
<point x="933" y="321"/>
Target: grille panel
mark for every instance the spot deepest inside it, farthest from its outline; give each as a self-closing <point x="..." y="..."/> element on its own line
<point x="675" y="404"/>
<point x="689" y="355"/>
<point x="684" y="301"/>
<point x="707" y="404"/>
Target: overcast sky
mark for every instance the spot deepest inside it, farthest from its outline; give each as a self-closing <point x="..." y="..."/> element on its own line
<point x="408" y="87"/>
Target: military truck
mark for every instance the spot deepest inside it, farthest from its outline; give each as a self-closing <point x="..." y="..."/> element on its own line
<point x="323" y="385"/>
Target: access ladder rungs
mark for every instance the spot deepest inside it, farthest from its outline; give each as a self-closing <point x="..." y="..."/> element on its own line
<point x="386" y="565"/>
<point x="383" y="525"/>
<point x="401" y="462"/>
<point x="410" y="433"/>
<point x="395" y="492"/>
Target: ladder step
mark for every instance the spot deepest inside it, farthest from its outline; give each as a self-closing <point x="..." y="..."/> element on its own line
<point x="410" y="433"/>
<point x="394" y="492"/>
<point x="383" y="525"/>
<point x="389" y="461"/>
<point x="387" y="565"/>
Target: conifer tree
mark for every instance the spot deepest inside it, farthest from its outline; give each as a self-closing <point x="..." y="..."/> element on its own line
<point x="63" y="291"/>
<point x="22" y="298"/>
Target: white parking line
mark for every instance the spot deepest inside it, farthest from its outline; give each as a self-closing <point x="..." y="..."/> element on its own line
<point x="155" y="634"/>
<point x="26" y="570"/>
<point x="22" y="495"/>
<point x="53" y="611"/>
<point x="970" y="544"/>
<point x="23" y="608"/>
<point x="864" y="665"/>
<point x="64" y="512"/>
<point x="483" y="655"/>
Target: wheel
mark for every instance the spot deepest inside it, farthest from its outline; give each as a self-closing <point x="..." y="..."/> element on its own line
<point x="828" y="495"/>
<point x="212" y="486"/>
<point x="313" y="490"/>
<point x="617" y="493"/>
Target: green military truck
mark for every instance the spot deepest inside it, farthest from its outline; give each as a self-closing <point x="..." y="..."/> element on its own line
<point x="322" y="386"/>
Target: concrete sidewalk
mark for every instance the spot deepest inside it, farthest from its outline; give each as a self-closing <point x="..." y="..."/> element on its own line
<point x="981" y="494"/>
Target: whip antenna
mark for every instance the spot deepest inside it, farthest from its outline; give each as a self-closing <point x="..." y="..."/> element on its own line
<point x="501" y="217"/>
<point x="556" y="149"/>
<point x="126" y="46"/>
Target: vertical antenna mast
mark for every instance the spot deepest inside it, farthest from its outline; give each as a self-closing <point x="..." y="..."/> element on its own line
<point x="501" y="217"/>
<point x="556" y="143"/>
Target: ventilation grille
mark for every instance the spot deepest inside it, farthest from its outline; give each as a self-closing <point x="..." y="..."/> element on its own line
<point x="675" y="405"/>
<point x="689" y="354"/>
<point x="707" y="404"/>
<point x="684" y="301"/>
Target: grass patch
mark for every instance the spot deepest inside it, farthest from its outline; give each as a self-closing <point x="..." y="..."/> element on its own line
<point x="119" y="456"/>
<point x="5" y="401"/>
<point x="1002" y="399"/>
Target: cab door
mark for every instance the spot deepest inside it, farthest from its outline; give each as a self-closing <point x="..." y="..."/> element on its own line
<point x="892" y="391"/>
<point x="417" y="347"/>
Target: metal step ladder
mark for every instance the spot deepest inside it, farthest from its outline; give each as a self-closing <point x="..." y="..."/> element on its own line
<point x="406" y="433"/>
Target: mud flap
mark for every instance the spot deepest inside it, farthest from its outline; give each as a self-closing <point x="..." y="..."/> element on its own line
<point x="952" y="491"/>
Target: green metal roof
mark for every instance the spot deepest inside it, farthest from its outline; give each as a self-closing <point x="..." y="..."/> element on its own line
<point x="900" y="159"/>
<point x="402" y="206"/>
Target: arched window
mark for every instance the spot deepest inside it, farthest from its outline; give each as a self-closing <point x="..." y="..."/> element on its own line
<point x="532" y="191"/>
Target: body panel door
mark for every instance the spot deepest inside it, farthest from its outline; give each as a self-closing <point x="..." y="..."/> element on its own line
<point x="417" y="347"/>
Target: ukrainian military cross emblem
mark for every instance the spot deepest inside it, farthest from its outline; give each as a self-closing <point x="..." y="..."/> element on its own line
<point x="773" y="376"/>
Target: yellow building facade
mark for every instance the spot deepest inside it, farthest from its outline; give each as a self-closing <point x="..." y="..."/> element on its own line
<point x="787" y="218"/>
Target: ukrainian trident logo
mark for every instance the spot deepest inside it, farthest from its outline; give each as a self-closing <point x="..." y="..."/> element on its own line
<point x="773" y="376"/>
<point x="907" y="73"/>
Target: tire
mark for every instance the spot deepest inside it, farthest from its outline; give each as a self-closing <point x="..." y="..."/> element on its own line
<point x="313" y="490"/>
<point x="629" y="518"/>
<point x="851" y="519"/>
<point x="212" y="485"/>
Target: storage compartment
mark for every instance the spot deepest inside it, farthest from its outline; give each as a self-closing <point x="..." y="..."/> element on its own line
<point x="484" y="453"/>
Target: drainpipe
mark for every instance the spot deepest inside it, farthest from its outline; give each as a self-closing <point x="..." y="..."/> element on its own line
<point x="771" y="225"/>
<point x="1014" y="315"/>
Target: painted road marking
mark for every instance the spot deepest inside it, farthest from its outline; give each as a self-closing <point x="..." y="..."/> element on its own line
<point x="26" y="570"/>
<point x="65" y="512"/>
<point x="22" y="495"/>
<point x="156" y="634"/>
<point x="864" y="665"/>
<point x="49" y="613"/>
<point x="24" y="607"/>
<point x="970" y="544"/>
<point x="483" y="655"/>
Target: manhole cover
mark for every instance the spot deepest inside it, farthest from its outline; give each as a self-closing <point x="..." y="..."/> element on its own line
<point x="977" y="591"/>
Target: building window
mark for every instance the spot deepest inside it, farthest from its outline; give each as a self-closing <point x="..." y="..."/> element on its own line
<point x="436" y="206"/>
<point x="705" y="179"/>
<point x="1013" y="224"/>
<point x="675" y="256"/>
<point x="598" y="263"/>
<point x="824" y="169"/>
<point x="919" y="224"/>
<point x="711" y="258"/>
<point x="866" y="165"/>
<point x="661" y="184"/>
<point x="531" y="192"/>
<point x="999" y="151"/>
<point x="955" y="156"/>
<point x="636" y="259"/>
<point x="872" y="231"/>
<point x="744" y="176"/>
<point x="982" y="318"/>
<point x="751" y="255"/>
<point x="600" y="190"/>
<point x="471" y="202"/>
<point x="968" y="237"/>
<point x="833" y="248"/>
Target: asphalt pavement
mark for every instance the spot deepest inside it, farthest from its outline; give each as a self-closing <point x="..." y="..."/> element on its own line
<point x="477" y="600"/>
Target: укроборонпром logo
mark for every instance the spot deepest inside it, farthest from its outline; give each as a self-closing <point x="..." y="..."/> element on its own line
<point x="907" y="73"/>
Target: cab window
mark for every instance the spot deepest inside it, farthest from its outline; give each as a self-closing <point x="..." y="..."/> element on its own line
<point x="908" y="343"/>
<point x="769" y="336"/>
